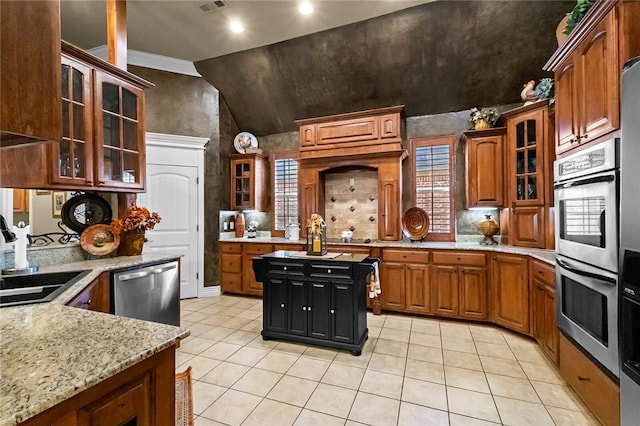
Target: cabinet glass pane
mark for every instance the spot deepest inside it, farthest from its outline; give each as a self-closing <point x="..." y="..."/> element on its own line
<point x="520" y="135"/>
<point x="238" y="185"/>
<point x="129" y="104"/>
<point x="112" y="164"/>
<point x="238" y="199"/>
<point x="65" y="81"/>
<point x="246" y="184"/>
<point x="532" y="188"/>
<point x="520" y="188"/>
<point x="130" y="135"/>
<point x="65" y="158"/>
<point x="77" y="87"/>
<point x="532" y="161"/>
<point x="111" y="129"/>
<point x="78" y="122"/>
<point x="65" y="118"/>
<point x="130" y="171"/>
<point x="110" y="98"/>
<point x="78" y="160"/>
<point x="531" y="132"/>
<point x="520" y="162"/>
<point x="246" y="169"/>
<point x="238" y="171"/>
<point x="245" y="199"/>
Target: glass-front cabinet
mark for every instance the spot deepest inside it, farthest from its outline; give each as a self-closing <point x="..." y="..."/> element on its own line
<point x="526" y="139"/>
<point x="248" y="173"/>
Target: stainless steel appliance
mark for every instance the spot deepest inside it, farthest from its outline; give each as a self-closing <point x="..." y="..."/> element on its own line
<point x="150" y="293"/>
<point x="630" y="244"/>
<point x="586" y="192"/>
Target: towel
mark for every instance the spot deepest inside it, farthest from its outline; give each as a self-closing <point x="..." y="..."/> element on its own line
<point x="374" y="285"/>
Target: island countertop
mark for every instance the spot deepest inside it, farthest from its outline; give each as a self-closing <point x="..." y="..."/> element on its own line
<point x="50" y="352"/>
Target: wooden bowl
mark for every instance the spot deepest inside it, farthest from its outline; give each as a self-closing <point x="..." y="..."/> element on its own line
<point x="415" y="223"/>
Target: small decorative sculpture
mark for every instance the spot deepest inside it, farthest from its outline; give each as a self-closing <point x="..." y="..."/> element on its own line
<point x="542" y="91"/>
<point x="316" y="236"/>
<point x="488" y="227"/>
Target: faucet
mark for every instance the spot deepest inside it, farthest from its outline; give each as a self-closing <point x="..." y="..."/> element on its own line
<point x="7" y="234"/>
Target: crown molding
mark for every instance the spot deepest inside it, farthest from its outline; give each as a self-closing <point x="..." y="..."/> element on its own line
<point x="151" y="60"/>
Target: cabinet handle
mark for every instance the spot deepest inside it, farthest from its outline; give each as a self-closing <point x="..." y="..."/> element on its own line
<point x="583" y="379"/>
<point x="304" y="308"/>
<point x="282" y="305"/>
<point x="328" y="271"/>
<point x="309" y="308"/>
<point x="285" y="268"/>
<point x="87" y="303"/>
<point x="333" y="311"/>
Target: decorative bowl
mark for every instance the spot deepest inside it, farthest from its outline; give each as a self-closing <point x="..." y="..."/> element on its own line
<point x="415" y="223"/>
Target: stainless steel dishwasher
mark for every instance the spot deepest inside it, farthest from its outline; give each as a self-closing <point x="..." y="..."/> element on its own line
<point x="149" y="293"/>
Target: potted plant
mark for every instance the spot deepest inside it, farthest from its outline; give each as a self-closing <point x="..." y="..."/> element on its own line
<point x="577" y="14"/>
<point x="132" y="229"/>
<point x="482" y="118"/>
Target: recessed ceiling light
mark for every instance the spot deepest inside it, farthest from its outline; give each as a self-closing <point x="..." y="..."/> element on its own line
<point x="236" y="26"/>
<point x="305" y="8"/>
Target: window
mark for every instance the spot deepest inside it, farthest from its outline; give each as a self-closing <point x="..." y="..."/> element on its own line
<point x="433" y="182"/>
<point x="284" y="175"/>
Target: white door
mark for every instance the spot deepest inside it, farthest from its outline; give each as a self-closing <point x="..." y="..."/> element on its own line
<point x="173" y="185"/>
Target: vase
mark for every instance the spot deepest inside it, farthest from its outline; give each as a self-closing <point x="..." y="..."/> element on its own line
<point x="488" y="227"/>
<point x="481" y="125"/>
<point x="240" y="225"/>
<point x="131" y="243"/>
<point x="560" y="35"/>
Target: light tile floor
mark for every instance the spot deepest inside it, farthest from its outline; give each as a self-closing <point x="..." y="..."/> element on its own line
<point x="413" y="371"/>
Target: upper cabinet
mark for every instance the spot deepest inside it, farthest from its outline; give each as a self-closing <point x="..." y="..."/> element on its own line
<point x="587" y="71"/>
<point x="29" y="72"/>
<point x="484" y="169"/>
<point x="102" y="145"/>
<point x="248" y="173"/>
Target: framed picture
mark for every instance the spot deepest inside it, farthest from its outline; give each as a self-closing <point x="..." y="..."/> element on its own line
<point x="42" y="192"/>
<point x="58" y="198"/>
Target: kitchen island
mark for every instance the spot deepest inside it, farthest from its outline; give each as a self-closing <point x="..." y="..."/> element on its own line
<point x="58" y="359"/>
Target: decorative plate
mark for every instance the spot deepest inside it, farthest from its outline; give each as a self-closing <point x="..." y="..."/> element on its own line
<point x="99" y="240"/>
<point x="415" y="223"/>
<point x="84" y="210"/>
<point x="244" y="140"/>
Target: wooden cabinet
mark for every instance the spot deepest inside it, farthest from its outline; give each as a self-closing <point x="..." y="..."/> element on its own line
<point x="102" y="147"/>
<point x="231" y="267"/>
<point x="315" y="301"/>
<point x="143" y="394"/>
<point x="594" y="387"/>
<point x="404" y="281"/>
<point x="29" y="72"/>
<point x="459" y="285"/>
<point x="529" y="162"/>
<point x="543" y="307"/>
<point x="96" y="296"/>
<point x="21" y="201"/>
<point x="484" y="169"/>
<point x="248" y="174"/>
<point x="249" y="283"/>
<point x="510" y="291"/>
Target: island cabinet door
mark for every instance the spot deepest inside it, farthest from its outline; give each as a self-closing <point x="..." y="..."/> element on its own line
<point x="275" y="305"/>
<point x="342" y="312"/>
<point x="297" y="323"/>
<point x="318" y="308"/>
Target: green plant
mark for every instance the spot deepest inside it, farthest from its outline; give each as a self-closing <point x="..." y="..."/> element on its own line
<point x="577" y="14"/>
<point x="488" y="114"/>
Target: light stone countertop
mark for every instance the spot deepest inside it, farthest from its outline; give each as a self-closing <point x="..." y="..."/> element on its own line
<point x="50" y="352"/>
<point x="547" y="256"/>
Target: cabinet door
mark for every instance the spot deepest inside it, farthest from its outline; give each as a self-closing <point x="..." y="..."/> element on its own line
<point x="72" y="158"/>
<point x="485" y="177"/>
<point x="527" y="226"/>
<point x="119" y="133"/>
<point x="510" y="290"/>
<point x="297" y="313"/>
<point x="567" y="116"/>
<point x="538" y="304"/>
<point x="526" y="137"/>
<point x="392" y="283"/>
<point x="389" y="206"/>
<point x="128" y="406"/>
<point x="600" y="81"/>
<point x="247" y="182"/>
<point x="96" y="296"/>
<point x="21" y="201"/>
<point x="275" y="305"/>
<point x="342" y="312"/>
<point x="418" y="288"/>
<point x="249" y="283"/>
<point x="550" y="342"/>
<point x="444" y="282"/>
<point x="472" y="283"/>
<point x="318" y="309"/>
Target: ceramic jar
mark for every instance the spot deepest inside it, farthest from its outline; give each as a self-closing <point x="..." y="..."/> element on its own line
<point x="488" y="227"/>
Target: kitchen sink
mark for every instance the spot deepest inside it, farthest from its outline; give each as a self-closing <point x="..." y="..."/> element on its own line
<point x="36" y="288"/>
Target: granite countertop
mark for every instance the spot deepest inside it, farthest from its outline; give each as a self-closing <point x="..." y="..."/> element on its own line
<point x="50" y="352"/>
<point x="547" y="256"/>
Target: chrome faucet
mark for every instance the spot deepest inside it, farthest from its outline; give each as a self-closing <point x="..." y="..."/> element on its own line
<point x="7" y="234"/>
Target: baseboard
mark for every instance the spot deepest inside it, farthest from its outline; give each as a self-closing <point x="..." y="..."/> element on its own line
<point x="210" y="291"/>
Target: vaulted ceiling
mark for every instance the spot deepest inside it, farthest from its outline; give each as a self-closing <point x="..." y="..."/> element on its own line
<point x="436" y="57"/>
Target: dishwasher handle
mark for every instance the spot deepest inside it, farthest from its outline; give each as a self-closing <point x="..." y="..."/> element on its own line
<point x="135" y="275"/>
<point x="165" y="268"/>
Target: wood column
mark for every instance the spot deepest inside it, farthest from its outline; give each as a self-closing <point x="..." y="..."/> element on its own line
<point x="117" y="33"/>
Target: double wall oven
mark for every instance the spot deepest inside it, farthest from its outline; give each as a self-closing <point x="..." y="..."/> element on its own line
<point x="586" y="188"/>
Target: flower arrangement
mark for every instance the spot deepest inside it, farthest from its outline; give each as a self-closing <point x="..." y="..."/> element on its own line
<point x="139" y="218"/>
<point x="316" y="224"/>
<point x="483" y="114"/>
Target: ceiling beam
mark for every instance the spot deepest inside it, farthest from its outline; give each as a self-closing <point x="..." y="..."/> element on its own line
<point x="117" y="33"/>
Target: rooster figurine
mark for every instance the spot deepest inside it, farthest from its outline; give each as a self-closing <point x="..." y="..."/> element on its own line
<point x="527" y="94"/>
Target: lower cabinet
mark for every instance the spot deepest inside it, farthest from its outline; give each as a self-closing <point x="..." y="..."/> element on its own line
<point x="96" y="296"/>
<point x="510" y="291"/>
<point x="404" y="281"/>
<point x="315" y="302"/>
<point x="543" y="307"/>
<point x="249" y="251"/>
<point x="231" y="267"/>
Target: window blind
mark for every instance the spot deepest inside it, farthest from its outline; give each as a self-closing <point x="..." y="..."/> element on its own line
<point x="433" y="186"/>
<point x="285" y="192"/>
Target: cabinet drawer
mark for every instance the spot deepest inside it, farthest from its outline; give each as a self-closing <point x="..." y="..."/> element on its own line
<point x="258" y="248"/>
<point x="231" y="248"/>
<point x="331" y="270"/>
<point x="293" y="268"/>
<point x="231" y="263"/>
<point x="405" y="256"/>
<point x="543" y="271"/>
<point x="231" y="281"/>
<point x="458" y="258"/>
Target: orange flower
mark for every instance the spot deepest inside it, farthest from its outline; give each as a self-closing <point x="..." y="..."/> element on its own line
<point x="138" y="218"/>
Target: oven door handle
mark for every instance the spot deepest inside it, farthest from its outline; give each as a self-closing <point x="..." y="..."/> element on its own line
<point x="582" y="273"/>
<point x="588" y="181"/>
